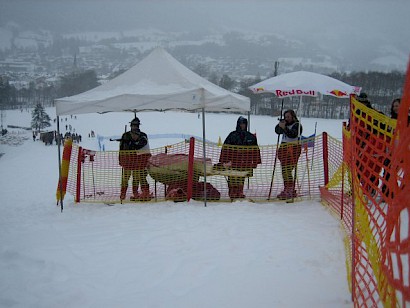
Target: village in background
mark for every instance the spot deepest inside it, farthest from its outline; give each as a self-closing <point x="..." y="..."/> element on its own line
<point x="37" y="67"/>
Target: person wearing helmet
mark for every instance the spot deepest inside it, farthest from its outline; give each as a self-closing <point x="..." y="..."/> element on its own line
<point x="133" y="158"/>
<point x="240" y="152"/>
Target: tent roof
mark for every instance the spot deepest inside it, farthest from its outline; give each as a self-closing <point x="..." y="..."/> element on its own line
<point x="158" y="82"/>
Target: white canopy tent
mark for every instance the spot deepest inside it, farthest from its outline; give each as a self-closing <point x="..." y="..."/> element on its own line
<point x="157" y="83"/>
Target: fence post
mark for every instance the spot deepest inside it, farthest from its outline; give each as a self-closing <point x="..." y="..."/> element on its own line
<point x="190" y="168"/>
<point x="325" y="158"/>
<point x="343" y="173"/>
<point x="78" y="186"/>
<point x="64" y="168"/>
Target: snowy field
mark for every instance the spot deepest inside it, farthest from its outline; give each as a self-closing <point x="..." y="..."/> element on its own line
<point x="168" y="254"/>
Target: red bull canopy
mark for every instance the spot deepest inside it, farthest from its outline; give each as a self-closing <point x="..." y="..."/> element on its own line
<point x="304" y="84"/>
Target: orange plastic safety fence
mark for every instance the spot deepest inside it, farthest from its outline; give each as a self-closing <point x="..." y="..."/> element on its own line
<point x="96" y="176"/>
<point x="395" y="249"/>
<point x="374" y="204"/>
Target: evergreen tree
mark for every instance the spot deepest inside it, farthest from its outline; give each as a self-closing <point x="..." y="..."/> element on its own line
<point x="226" y="82"/>
<point x="39" y="118"/>
<point x="75" y="83"/>
<point x="213" y="78"/>
<point x="5" y="91"/>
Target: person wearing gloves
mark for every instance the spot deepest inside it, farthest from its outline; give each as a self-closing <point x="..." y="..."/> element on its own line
<point x="133" y="158"/>
<point x="289" y="152"/>
<point x="239" y="152"/>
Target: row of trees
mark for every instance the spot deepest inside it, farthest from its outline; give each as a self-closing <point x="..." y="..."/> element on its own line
<point x="381" y="88"/>
<point x="40" y="92"/>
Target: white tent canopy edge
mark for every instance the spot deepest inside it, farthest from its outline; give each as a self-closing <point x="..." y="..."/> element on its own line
<point x="158" y="82"/>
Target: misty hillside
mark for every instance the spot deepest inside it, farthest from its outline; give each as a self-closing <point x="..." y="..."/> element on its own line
<point x="233" y="37"/>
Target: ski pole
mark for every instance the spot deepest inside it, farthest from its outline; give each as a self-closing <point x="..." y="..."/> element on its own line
<point x="308" y="173"/>
<point x="313" y="150"/>
<point x="122" y="168"/>
<point x="276" y="157"/>
<point x="305" y="146"/>
<point x="298" y="144"/>
<point x="92" y="171"/>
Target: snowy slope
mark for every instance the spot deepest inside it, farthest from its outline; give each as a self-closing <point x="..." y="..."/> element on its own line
<point x="159" y="255"/>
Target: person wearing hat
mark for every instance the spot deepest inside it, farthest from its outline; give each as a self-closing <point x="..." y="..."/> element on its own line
<point x="289" y="152"/>
<point x="362" y="97"/>
<point x="133" y="158"/>
<point x="371" y="139"/>
<point x="239" y="152"/>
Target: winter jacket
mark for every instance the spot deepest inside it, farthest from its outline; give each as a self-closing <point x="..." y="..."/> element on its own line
<point x="134" y="152"/>
<point x="241" y="149"/>
<point x="291" y="132"/>
<point x="289" y="150"/>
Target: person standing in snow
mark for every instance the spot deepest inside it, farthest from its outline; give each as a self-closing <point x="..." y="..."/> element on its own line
<point x="370" y="138"/>
<point x="133" y="158"/>
<point x="394" y="112"/>
<point x="239" y="152"/>
<point x="394" y="109"/>
<point x="289" y="151"/>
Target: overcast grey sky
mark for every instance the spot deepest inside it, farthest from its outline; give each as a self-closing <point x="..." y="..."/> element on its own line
<point x="335" y="25"/>
<point x="370" y="17"/>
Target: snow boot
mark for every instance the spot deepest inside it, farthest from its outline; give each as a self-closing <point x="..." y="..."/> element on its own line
<point x="288" y="192"/>
<point x="136" y="196"/>
<point x="123" y="192"/>
<point x="239" y="192"/>
<point x="145" y="195"/>
<point x="283" y="195"/>
<point x="236" y="192"/>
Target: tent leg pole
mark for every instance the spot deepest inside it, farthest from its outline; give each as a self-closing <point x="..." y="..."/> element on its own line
<point x="204" y="152"/>
<point x="59" y="164"/>
<point x="249" y="129"/>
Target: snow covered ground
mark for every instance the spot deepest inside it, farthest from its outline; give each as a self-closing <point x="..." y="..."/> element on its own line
<point x="167" y="254"/>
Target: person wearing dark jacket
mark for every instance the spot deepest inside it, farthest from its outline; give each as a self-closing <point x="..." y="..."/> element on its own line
<point x="133" y="157"/>
<point x="394" y="112"/>
<point x="371" y="139"/>
<point x="239" y="152"/>
<point x="289" y="151"/>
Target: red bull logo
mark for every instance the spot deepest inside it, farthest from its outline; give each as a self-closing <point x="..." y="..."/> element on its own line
<point x="260" y="89"/>
<point x="338" y="93"/>
<point x="294" y="92"/>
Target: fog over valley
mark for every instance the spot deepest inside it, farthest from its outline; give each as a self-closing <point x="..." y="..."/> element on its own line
<point x="319" y="35"/>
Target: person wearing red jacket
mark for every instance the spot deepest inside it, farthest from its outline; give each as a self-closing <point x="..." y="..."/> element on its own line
<point x="133" y="158"/>
<point x="239" y="152"/>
